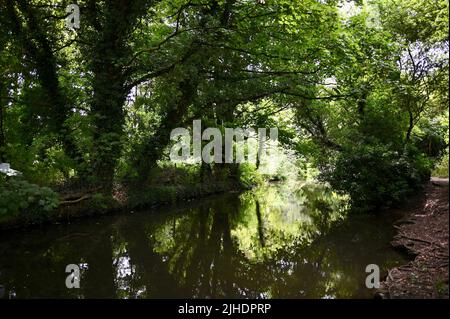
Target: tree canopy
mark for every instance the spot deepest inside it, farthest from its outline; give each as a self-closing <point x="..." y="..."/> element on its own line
<point x="357" y="88"/>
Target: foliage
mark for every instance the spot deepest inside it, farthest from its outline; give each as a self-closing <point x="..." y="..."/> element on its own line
<point x="25" y="201"/>
<point x="441" y="169"/>
<point x="376" y="176"/>
<point x="248" y="175"/>
<point x="98" y="104"/>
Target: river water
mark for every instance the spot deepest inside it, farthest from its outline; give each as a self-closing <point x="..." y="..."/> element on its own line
<point x="278" y="241"/>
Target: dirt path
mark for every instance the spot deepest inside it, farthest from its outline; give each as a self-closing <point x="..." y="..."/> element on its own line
<point x="424" y="234"/>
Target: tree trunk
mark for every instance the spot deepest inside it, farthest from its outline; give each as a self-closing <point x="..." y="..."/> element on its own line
<point x="153" y="149"/>
<point x="108" y="57"/>
<point x="410" y="127"/>
<point x="2" y="132"/>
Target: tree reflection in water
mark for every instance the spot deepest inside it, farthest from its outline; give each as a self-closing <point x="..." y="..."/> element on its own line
<point x="271" y="242"/>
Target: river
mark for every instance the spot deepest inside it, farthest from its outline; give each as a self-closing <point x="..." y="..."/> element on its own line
<point x="279" y="241"/>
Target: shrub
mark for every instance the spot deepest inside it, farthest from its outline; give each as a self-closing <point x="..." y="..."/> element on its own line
<point x="376" y="176"/>
<point x="20" y="199"/>
<point x="248" y="175"/>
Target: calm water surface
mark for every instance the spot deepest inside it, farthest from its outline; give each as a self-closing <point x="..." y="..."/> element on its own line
<point x="273" y="242"/>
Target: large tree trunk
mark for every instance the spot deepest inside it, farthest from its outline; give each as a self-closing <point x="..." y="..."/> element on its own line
<point x="108" y="57"/>
<point x="108" y="120"/>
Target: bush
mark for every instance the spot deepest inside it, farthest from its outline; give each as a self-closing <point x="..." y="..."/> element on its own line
<point x="20" y="199"/>
<point x="376" y="176"/>
<point x="248" y="175"/>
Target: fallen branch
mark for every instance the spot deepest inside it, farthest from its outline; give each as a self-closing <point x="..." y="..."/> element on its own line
<point x="68" y="202"/>
<point x="79" y="194"/>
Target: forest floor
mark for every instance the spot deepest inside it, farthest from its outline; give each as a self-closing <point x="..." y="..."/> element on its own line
<point x="424" y="234"/>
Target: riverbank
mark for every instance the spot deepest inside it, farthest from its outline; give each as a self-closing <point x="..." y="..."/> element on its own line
<point x="84" y="204"/>
<point x="423" y="233"/>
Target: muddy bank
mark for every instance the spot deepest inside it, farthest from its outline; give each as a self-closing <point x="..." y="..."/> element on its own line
<point x="422" y="233"/>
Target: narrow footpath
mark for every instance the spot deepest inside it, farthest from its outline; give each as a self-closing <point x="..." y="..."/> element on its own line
<point x="422" y="233"/>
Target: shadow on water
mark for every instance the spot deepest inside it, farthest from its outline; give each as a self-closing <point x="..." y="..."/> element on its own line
<point x="271" y="242"/>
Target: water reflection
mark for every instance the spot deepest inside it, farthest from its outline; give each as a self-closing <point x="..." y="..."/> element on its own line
<point x="273" y="242"/>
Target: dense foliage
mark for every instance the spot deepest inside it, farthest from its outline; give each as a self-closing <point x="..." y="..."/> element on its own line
<point x="25" y="201"/>
<point x="357" y="89"/>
